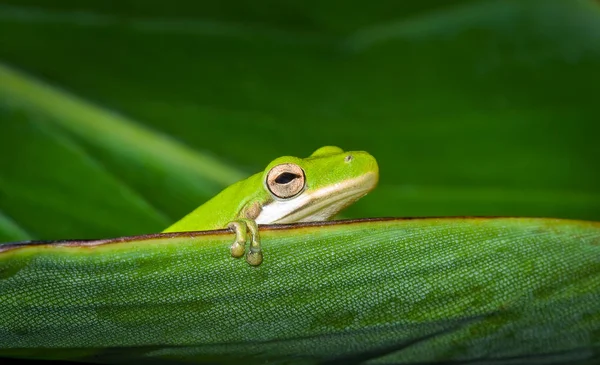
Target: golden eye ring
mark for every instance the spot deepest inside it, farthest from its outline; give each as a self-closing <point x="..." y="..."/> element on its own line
<point x="286" y="180"/>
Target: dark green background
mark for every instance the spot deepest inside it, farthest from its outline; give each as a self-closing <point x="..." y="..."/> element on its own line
<point x="470" y="107"/>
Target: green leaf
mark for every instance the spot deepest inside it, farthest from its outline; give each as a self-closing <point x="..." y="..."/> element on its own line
<point x="381" y="291"/>
<point x="10" y="231"/>
<point x="146" y="161"/>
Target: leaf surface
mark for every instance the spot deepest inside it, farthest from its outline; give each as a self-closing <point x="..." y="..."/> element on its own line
<point x="384" y="291"/>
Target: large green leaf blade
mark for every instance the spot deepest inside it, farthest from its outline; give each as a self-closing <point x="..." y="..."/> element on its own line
<point x="454" y="289"/>
<point x="69" y="168"/>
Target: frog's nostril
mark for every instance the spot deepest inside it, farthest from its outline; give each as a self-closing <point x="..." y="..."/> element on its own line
<point x="348" y="158"/>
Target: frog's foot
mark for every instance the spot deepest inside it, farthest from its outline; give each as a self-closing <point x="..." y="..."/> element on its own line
<point x="254" y="256"/>
<point x="241" y="228"/>
<point x="238" y="247"/>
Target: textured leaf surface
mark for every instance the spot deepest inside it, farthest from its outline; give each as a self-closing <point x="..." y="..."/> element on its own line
<point x="381" y="291"/>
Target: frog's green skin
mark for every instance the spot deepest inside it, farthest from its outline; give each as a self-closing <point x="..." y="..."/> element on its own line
<point x="309" y="189"/>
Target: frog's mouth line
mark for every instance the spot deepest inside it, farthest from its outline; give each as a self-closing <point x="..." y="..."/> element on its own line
<point x="320" y="205"/>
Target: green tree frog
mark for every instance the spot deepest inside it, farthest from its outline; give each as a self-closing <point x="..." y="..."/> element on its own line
<point x="289" y="190"/>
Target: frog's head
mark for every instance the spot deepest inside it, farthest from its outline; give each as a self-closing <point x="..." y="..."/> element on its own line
<point x="318" y="187"/>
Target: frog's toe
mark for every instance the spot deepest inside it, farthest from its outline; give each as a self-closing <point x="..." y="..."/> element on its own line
<point x="254" y="257"/>
<point x="237" y="249"/>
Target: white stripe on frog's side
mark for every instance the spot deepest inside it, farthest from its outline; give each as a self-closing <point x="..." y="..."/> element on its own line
<point x="319" y="205"/>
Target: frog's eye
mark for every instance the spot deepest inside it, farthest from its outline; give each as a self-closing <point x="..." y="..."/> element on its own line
<point x="286" y="180"/>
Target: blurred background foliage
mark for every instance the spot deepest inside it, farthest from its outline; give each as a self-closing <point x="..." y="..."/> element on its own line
<point x="471" y="107"/>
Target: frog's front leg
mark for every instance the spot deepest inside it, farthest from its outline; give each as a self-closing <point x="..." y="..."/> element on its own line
<point x="241" y="227"/>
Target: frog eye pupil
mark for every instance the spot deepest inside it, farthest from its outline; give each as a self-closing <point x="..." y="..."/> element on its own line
<point x="286" y="178"/>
